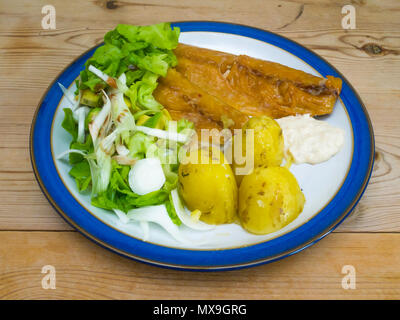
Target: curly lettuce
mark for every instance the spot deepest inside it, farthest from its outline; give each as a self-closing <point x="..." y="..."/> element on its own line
<point x="143" y="53"/>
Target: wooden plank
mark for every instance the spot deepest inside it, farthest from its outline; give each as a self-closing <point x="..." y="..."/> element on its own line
<point x="289" y="15"/>
<point x="86" y="271"/>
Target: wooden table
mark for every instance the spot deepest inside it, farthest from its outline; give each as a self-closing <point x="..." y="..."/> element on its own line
<point x="33" y="235"/>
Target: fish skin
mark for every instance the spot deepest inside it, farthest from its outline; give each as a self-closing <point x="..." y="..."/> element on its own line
<point x="257" y="87"/>
<point x="183" y="98"/>
<point x="207" y="85"/>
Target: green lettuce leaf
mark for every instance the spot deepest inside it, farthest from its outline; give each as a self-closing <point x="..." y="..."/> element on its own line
<point x="171" y="212"/>
<point x="141" y="92"/>
<point x="146" y="48"/>
<point x="81" y="170"/>
<point x="138" y="145"/>
<point x="81" y="173"/>
<point x="69" y="123"/>
<point x="184" y="124"/>
<point x="143" y="54"/>
<point x="159" y="35"/>
<point x="119" y="195"/>
<point x="86" y="146"/>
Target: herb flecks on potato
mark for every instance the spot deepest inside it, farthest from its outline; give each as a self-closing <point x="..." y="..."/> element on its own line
<point x="209" y="185"/>
<point x="269" y="199"/>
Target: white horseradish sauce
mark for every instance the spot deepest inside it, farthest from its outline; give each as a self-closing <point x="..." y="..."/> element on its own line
<point x="309" y="140"/>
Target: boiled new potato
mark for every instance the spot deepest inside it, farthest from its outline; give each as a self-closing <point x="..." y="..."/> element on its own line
<point x="208" y="185"/>
<point x="269" y="199"/>
<point x="267" y="149"/>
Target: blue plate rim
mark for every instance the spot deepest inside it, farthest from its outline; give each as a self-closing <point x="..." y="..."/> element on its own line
<point x="226" y="259"/>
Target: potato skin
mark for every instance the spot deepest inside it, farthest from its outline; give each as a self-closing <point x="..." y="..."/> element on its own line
<point x="268" y="143"/>
<point x="210" y="188"/>
<point x="269" y="199"/>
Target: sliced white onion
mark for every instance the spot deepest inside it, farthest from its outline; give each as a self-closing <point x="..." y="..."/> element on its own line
<point x="122" y="150"/>
<point x="122" y="78"/>
<point x="105" y="128"/>
<point x="100" y="170"/>
<point x="146" y="230"/>
<point x="96" y="124"/>
<point x="159" y="215"/>
<point x="143" y="224"/>
<point x="122" y="216"/>
<point x="125" y="160"/>
<point x="168" y="135"/>
<point x="68" y="94"/>
<point x="109" y="80"/>
<point x="185" y="217"/>
<point x="62" y="154"/>
<point x="81" y="113"/>
<point x="77" y="102"/>
<point x="146" y="176"/>
<point x="99" y="73"/>
<point x="71" y="98"/>
<point x="121" y="83"/>
<point x="108" y="142"/>
<point x="121" y="115"/>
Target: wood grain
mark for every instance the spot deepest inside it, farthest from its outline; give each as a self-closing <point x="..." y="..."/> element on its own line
<point x="86" y="271"/>
<point x="31" y="57"/>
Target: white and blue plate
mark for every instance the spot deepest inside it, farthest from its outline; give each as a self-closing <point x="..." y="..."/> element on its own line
<point x="332" y="189"/>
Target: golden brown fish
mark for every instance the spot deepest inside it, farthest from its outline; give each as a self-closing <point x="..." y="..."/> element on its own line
<point x="257" y="87"/>
<point x="185" y="100"/>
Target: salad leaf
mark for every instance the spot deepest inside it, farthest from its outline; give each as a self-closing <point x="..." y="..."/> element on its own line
<point x="76" y="93"/>
<point x="132" y="76"/>
<point x="138" y="145"/>
<point x="100" y="168"/>
<point x="153" y="121"/>
<point x="108" y="55"/>
<point x="90" y="117"/>
<point x="119" y="178"/>
<point x="141" y="92"/>
<point x="154" y="62"/>
<point x="71" y="127"/>
<point x="159" y="35"/>
<point x="171" y="212"/>
<point x="145" y="92"/>
<point x="184" y="124"/>
<point x="171" y="175"/>
<point x="69" y="123"/>
<point x="86" y="146"/>
<point x="122" y="117"/>
<point x="81" y="173"/>
<point x="149" y="199"/>
<point x="81" y="170"/>
<point x="119" y="195"/>
<point x="127" y="47"/>
<point x="133" y="58"/>
<point x="90" y="81"/>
